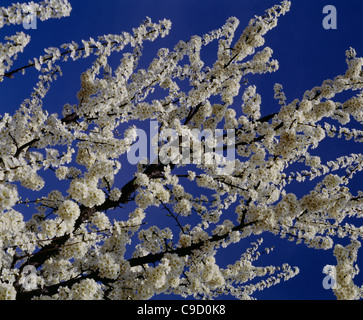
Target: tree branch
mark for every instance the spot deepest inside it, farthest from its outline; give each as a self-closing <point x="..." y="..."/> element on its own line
<point x="181" y="252"/>
<point x="151" y="258"/>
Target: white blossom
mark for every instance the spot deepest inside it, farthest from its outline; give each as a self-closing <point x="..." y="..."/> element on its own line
<point x="7" y="292"/>
<point x="103" y="237"/>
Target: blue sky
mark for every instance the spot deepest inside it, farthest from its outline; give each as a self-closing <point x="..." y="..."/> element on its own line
<point x="307" y="53"/>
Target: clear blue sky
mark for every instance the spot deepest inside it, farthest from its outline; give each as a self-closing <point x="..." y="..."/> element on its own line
<point x="307" y="53"/>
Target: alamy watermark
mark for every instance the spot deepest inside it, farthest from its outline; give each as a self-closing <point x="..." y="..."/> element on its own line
<point x="330" y="20"/>
<point x="30" y="20"/>
<point x="329" y="281"/>
<point x="207" y="147"/>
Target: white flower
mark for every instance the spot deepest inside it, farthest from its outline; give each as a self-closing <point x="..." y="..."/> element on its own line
<point x="69" y="210"/>
<point x="100" y="220"/>
<point x="7" y="292"/>
<point x="95" y="197"/>
<point x="332" y="181"/>
<point x="191" y="175"/>
<point x="183" y="207"/>
<point x="8" y="196"/>
<point x="78" y="190"/>
<point x="62" y="172"/>
<point x="142" y="179"/>
<point x="185" y="240"/>
<point x="108" y="268"/>
<point x="87" y="289"/>
<point x="115" y="194"/>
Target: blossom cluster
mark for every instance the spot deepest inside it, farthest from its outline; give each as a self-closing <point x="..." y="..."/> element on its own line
<point x="105" y="237"/>
<point x="44" y="10"/>
<point x="16" y="14"/>
<point x="346" y="270"/>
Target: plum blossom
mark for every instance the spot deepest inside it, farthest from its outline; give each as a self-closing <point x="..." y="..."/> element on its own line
<point x="111" y="233"/>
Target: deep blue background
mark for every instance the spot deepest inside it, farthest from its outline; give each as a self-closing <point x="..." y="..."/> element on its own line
<point x="307" y="53"/>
